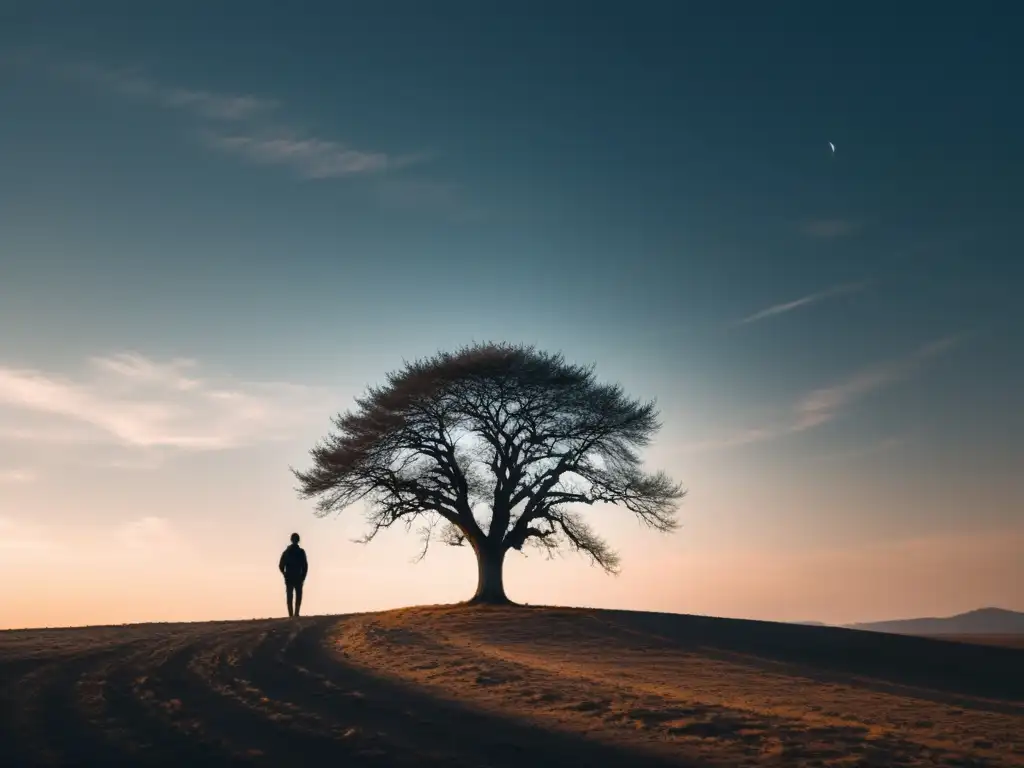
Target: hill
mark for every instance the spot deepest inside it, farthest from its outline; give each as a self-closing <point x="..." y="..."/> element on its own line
<point x="984" y="621"/>
<point x="461" y="686"/>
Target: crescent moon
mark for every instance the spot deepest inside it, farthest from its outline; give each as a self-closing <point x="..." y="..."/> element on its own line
<point x="833" y="147"/>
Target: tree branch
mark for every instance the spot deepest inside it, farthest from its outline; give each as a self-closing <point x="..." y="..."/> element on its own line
<point x="507" y="428"/>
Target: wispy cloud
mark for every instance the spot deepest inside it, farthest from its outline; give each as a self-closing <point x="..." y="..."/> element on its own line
<point x="829" y="229"/>
<point x="134" y="401"/>
<point x="311" y="158"/>
<point x="824" y="405"/>
<point x="48" y="433"/>
<point x="260" y="132"/>
<point x="12" y="476"/>
<point x="804" y="301"/>
<point x="206" y="104"/>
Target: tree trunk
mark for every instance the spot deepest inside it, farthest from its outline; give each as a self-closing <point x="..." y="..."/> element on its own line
<point x="490" y="585"/>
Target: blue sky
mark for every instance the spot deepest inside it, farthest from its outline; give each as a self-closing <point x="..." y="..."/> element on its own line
<point x="218" y="225"/>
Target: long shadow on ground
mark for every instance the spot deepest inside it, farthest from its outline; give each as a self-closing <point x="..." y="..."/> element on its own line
<point x="949" y="670"/>
<point x="428" y="728"/>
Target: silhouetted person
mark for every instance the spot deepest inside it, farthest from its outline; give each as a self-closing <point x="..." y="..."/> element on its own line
<point x="294" y="566"/>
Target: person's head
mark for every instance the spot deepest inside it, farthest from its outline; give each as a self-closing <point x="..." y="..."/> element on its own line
<point x="295" y="538"/>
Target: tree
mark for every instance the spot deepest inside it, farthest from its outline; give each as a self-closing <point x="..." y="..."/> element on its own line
<point x="499" y="445"/>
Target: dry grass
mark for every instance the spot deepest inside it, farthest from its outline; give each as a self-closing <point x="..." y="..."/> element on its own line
<point x="459" y="686"/>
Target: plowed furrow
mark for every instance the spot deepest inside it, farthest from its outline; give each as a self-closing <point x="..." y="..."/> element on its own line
<point x="438" y="731"/>
<point x="53" y="723"/>
<point x="258" y="693"/>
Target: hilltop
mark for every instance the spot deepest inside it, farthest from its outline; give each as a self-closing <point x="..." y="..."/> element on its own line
<point x="461" y="686"/>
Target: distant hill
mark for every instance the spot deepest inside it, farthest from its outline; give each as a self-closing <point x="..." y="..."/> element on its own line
<point x="984" y="621"/>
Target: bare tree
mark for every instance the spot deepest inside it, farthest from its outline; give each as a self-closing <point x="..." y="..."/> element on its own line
<point x="499" y="445"/>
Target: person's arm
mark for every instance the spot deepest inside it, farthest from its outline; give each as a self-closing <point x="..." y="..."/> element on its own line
<point x="305" y="564"/>
<point x="280" y="563"/>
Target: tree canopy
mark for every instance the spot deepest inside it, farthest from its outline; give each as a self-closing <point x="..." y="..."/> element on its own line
<point x="496" y="445"/>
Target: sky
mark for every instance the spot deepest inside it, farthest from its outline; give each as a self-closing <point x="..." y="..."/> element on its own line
<point x="219" y="223"/>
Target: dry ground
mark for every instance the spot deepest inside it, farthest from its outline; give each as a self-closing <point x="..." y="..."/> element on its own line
<point x="458" y="686"/>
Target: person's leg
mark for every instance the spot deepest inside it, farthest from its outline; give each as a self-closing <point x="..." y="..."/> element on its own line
<point x="298" y="597"/>
<point x="289" y="589"/>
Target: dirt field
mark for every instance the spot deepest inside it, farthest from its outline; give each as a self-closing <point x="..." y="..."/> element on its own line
<point x="505" y="687"/>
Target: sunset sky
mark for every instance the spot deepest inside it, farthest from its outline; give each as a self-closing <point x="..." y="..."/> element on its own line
<point x="218" y="225"/>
